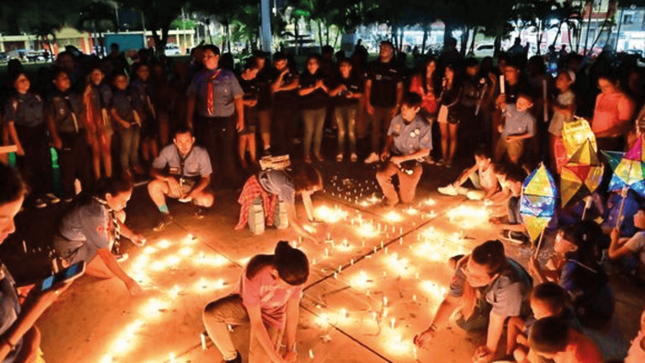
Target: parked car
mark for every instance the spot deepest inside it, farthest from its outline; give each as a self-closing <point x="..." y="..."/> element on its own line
<point x="4" y="57"/>
<point x="484" y="50"/>
<point x="172" y="49"/>
<point x="36" y="55"/>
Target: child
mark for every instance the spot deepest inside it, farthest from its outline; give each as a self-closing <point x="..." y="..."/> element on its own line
<point x="633" y="247"/>
<point x="246" y="139"/>
<point x="563" y="110"/>
<point x="268" y="298"/>
<point x="552" y="338"/>
<point x="141" y="94"/>
<point x="636" y="352"/>
<point x="519" y="125"/>
<point x="482" y="177"/>
<point x="128" y="126"/>
<point x="512" y="225"/>
<point x="547" y="299"/>
<point x="96" y="99"/>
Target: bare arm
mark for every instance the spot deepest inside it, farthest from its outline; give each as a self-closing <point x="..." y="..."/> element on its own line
<point x="204" y="182"/>
<point x="291" y="326"/>
<point x="239" y="111"/>
<point x="309" y="208"/>
<point x="293" y="220"/>
<point x="495" y="330"/>
<point x="259" y="331"/>
<point x="108" y="258"/>
<point x="117" y="118"/>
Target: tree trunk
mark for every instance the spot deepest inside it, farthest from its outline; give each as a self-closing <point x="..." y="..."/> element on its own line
<point x="402" y="31"/>
<point x="538" y="36"/>
<point x="472" y="43"/>
<point x="555" y="40"/>
<point x="327" y="34"/>
<point x="464" y="40"/>
<point x="165" y="28"/>
<point x="425" y="39"/>
<point x="336" y="39"/>
<point x="447" y="32"/>
<point x="296" y="33"/>
<point x="602" y="29"/>
<point x="320" y="33"/>
<point x="498" y="45"/>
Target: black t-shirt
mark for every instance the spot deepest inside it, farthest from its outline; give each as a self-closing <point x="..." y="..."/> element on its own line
<point x="354" y="85"/>
<point x="385" y="77"/>
<point x="264" y="80"/>
<point x="316" y="99"/>
<point x="285" y="98"/>
<point x="251" y="90"/>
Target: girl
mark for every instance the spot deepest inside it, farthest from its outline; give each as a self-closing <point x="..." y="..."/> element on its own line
<point x="20" y="337"/>
<point x="612" y="114"/>
<point x="94" y="227"/>
<point x="141" y="93"/>
<point x="563" y="110"/>
<point x="427" y="86"/>
<point x="448" y="117"/>
<point x="346" y="99"/>
<point x="313" y="101"/>
<point x="128" y="125"/>
<point x="25" y="126"/>
<point x="268" y="298"/>
<point x="96" y="99"/>
<point x="249" y="83"/>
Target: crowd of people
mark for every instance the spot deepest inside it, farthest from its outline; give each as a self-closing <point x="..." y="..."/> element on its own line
<point x="197" y="127"/>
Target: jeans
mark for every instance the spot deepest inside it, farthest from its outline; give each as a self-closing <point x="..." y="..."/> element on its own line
<point x="380" y="124"/>
<point x="514" y="216"/>
<point x="314" y="121"/>
<point x="130" y="139"/>
<point x="346" y="121"/>
<point x="230" y="311"/>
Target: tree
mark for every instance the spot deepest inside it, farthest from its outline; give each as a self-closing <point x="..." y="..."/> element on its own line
<point x="97" y="17"/>
<point x="159" y="15"/>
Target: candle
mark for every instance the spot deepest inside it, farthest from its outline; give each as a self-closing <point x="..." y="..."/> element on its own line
<point x="172" y="358"/>
<point x="382" y="244"/>
<point x="414" y="298"/>
<point x="374" y="316"/>
<point x="335" y="275"/>
<point x="392" y="322"/>
<point x="384" y="300"/>
<point x="311" y="354"/>
<point x="343" y="313"/>
<point x="386" y="250"/>
<point x="326" y="252"/>
<point x="203" y="338"/>
<point x="502" y="86"/>
<point x="340" y="268"/>
<point x="414" y="351"/>
<point x="351" y="262"/>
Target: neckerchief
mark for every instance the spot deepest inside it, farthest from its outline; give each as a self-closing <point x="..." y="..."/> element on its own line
<point x="116" y="230"/>
<point x="210" y="102"/>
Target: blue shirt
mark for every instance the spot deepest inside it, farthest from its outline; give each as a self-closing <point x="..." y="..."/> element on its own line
<point x="24" y="110"/>
<point x="197" y="163"/>
<point x="225" y="89"/>
<point x="410" y="137"/>
<point x="9" y="309"/>
<point x="122" y="103"/>
<point x="140" y="92"/>
<point x="518" y="123"/>
<point x="66" y="110"/>
<point x="89" y="223"/>
<point x="277" y="182"/>
<point x="101" y="96"/>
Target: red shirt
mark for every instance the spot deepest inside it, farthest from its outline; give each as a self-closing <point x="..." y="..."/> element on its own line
<point x="612" y="109"/>
<point x="429" y="100"/>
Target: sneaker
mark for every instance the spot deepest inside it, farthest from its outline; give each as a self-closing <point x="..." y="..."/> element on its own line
<point x="430" y="160"/>
<point x="164" y="220"/>
<point x="200" y="213"/>
<point x="373" y="158"/>
<point x="319" y="157"/>
<point x="39" y="203"/>
<point x="238" y="359"/>
<point x="122" y="257"/>
<point x="266" y="152"/>
<point x="353" y="158"/>
<point x="449" y="164"/>
<point x="516" y="238"/>
<point x="308" y="159"/>
<point x="448" y="190"/>
<point x="440" y="162"/>
<point x="339" y="158"/>
<point x="68" y="199"/>
<point x="51" y="198"/>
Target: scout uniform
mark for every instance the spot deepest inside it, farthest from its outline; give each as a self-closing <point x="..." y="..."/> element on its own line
<point x="9" y="309"/>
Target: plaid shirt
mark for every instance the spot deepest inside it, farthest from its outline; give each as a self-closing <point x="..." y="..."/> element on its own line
<point x="252" y="189"/>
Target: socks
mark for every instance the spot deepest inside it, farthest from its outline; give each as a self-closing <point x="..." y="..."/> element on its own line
<point x="163" y="209"/>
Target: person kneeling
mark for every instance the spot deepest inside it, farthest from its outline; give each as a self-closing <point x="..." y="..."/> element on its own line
<point x="181" y="171"/>
<point x="408" y="139"/>
<point x="268" y="298"/>
<point x="481" y="176"/>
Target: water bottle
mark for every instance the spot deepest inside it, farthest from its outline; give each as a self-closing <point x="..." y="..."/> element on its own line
<point x="256" y="217"/>
<point x="281" y="221"/>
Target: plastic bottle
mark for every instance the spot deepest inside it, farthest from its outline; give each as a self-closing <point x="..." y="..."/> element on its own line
<point x="281" y="220"/>
<point x="256" y="217"/>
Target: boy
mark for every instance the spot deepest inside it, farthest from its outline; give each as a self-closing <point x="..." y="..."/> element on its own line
<point x="631" y="249"/>
<point x="481" y="175"/>
<point x="408" y="139"/>
<point x="519" y="125"/>
<point x="552" y="338"/>
<point x="512" y="225"/>
<point x="128" y="126"/>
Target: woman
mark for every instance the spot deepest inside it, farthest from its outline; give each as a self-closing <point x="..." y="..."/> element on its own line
<point x="576" y="269"/>
<point x="94" y="227"/>
<point x="314" y="95"/>
<point x="346" y="98"/>
<point x="488" y="287"/>
<point x="96" y="99"/>
<point x="268" y="298"/>
<point x="25" y="127"/>
<point x="246" y="139"/>
<point x="20" y="337"/>
<point x="427" y="86"/>
<point x="448" y="117"/>
<point x="612" y="114"/>
<point x="283" y="185"/>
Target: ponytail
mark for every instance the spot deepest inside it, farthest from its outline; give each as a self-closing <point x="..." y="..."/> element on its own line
<point x="291" y="263"/>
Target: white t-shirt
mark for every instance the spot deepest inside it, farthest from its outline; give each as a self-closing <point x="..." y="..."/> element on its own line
<point x="636" y="244"/>
<point x="559" y="118"/>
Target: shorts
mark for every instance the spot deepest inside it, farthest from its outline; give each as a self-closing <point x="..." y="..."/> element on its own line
<point x="187" y="184"/>
<point x="74" y="251"/>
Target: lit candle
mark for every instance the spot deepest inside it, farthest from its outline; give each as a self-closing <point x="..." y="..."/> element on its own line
<point x="351" y="262"/>
<point x="203" y="338"/>
<point x="326" y="252"/>
<point x="340" y="268"/>
<point x="414" y="351"/>
<point x="343" y="313"/>
<point x="502" y="86"/>
<point x="414" y="298"/>
<point x="386" y="250"/>
<point x="384" y="300"/>
<point x="392" y="323"/>
<point x="311" y="354"/>
<point x="172" y="358"/>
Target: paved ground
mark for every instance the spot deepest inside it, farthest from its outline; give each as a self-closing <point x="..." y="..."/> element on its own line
<point x="369" y="292"/>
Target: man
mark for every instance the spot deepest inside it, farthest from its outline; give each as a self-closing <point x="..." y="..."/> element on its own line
<point x="181" y="171"/>
<point x="408" y="139"/>
<point x="383" y="93"/>
<point x="217" y="97"/>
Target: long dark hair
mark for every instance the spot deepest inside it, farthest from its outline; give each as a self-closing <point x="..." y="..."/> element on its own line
<point x="13" y="187"/>
<point x="304" y="177"/>
<point x="291" y="263"/>
<point x="103" y="187"/>
<point x="435" y="76"/>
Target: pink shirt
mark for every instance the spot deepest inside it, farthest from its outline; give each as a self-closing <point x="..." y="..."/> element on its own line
<point x="263" y="291"/>
<point x="636" y="353"/>
<point x="611" y="109"/>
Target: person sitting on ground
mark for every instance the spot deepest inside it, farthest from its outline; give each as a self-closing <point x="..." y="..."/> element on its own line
<point x="481" y="175"/>
<point x="636" y="352"/>
<point x="512" y="225"/>
<point x="488" y="287"/>
<point x="579" y="273"/>
<point x="20" y="337"/>
<point x="631" y="250"/>
<point x="552" y="338"/>
<point x="268" y="297"/>
<point x="547" y="299"/>
<point x="273" y="186"/>
<point x="181" y="171"/>
<point x="94" y="227"/>
<point x="409" y="140"/>
<point x="519" y="126"/>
